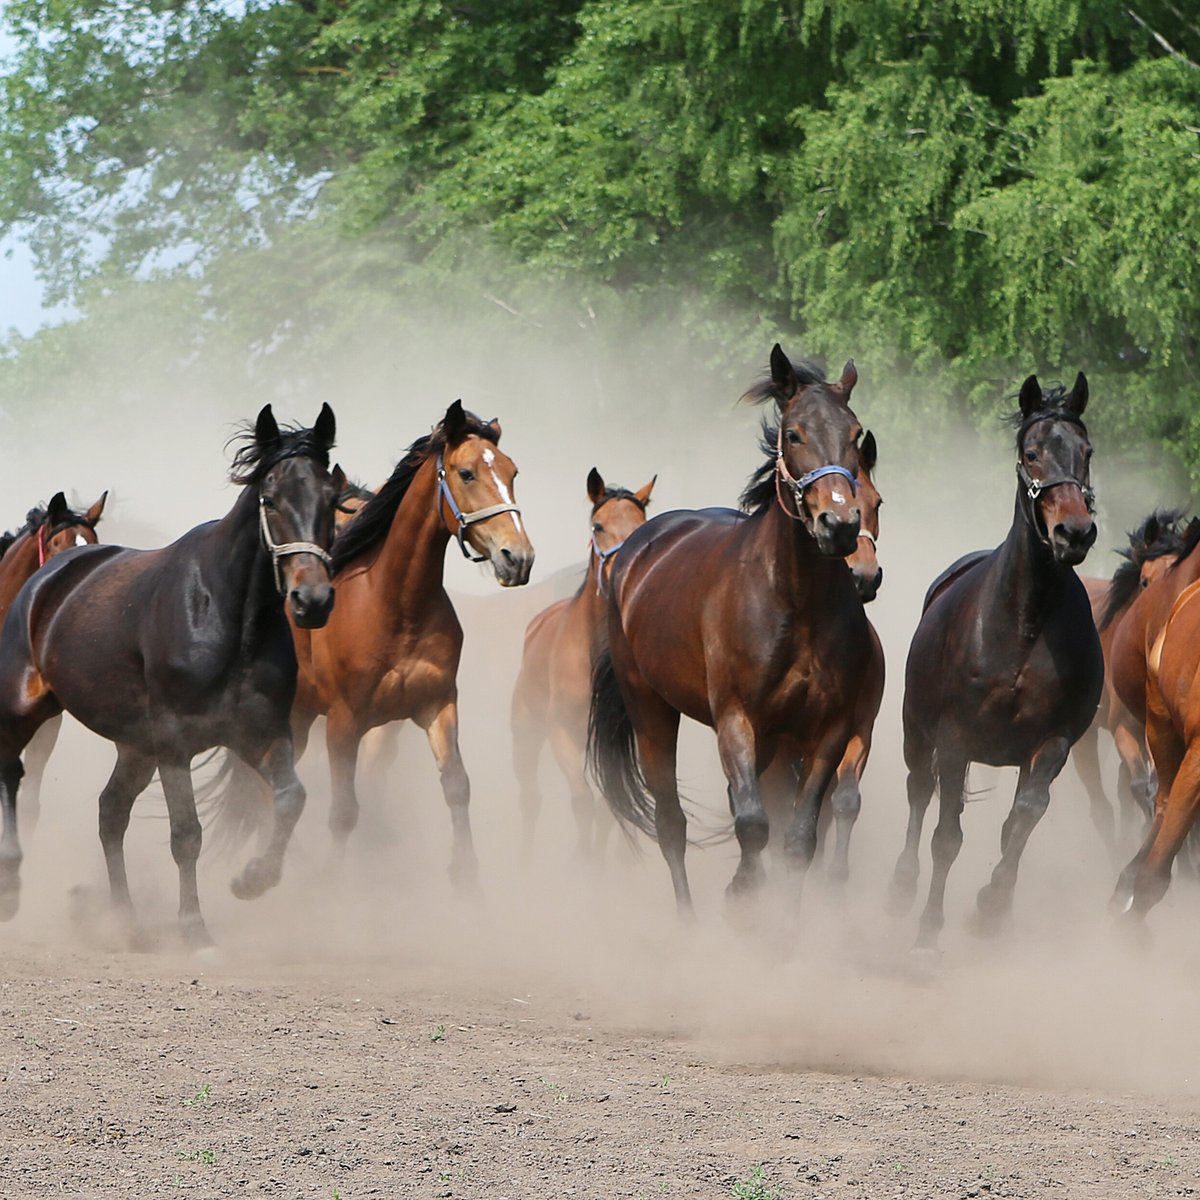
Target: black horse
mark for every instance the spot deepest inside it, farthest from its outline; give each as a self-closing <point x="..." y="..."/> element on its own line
<point x="170" y="652"/>
<point x="1005" y="667"/>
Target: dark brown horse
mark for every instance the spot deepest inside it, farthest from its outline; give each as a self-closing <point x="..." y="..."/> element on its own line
<point x="554" y="687"/>
<point x="390" y="652"/>
<point x="47" y="532"/>
<point x="1153" y="548"/>
<point x="1005" y="667"/>
<point x="750" y="625"/>
<point x="170" y="652"/>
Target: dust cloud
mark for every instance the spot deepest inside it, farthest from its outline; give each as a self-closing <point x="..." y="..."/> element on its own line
<point x="1057" y="1001"/>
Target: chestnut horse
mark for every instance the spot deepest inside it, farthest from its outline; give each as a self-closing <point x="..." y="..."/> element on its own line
<point x="170" y="652"/>
<point x="1153" y="547"/>
<point x="748" y="624"/>
<point x="1005" y="666"/>
<point x="47" y="532"/>
<point x="550" y="700"/>
<point x="391" y="649"/>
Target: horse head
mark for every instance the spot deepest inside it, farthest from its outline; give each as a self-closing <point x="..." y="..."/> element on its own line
<point x="863" y="561"/>
<point x="475" y="491"/>
<point x="616" y="513"/>
<point x="1054" y="468"/>
<point x="62" y="528"/>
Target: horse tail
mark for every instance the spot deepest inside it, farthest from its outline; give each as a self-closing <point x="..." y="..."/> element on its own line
<point x="612" y="753"/>
<point x="232" y="805"/>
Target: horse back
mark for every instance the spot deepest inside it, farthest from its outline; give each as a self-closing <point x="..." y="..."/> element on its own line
<point x="954" y="572"/>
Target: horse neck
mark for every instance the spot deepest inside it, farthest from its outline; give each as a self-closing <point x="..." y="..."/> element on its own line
<point x="787" y="555"/>
<point x="18" y="564"/>
<point x="411" y="563"/>
<point x="241" y="563"/>
<point x="1028" y="578"/>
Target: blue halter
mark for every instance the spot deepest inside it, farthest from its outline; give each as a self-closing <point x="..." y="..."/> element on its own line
<point x="602" y="556"/>
<point x="811" y="477"/>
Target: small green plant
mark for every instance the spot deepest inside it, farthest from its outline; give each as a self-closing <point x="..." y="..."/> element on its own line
<point x="335" y="1195"/>
<point x="199" y="1099"/>
<point x="1169" y="1161"/>
<point x="551" y="1086"/>
<point x="207" y="1157"/>
<point x="755" y="1187"/>
<point x="439" y="1034"/>
<point x="664" y="1083"/>
<point x="443" y="1177"/>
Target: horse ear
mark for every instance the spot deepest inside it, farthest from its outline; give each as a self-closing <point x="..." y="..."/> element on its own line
<point x="339" y="480"/>
<point x="783" y="375"/>
<point x="266" y="429"/>
<point x="454" y="423"/>
<point x="494" y="426"/>
<point x="1031" y="396"/>
<point x="849" y="378"/>
<point x="595" y="486"/>
<point x="1077" y="400"/>
<point x="58" y="509"/>
<point x="326" y="427"/>
<point x="868" y="452"/>
<point x="93" y="513"/>
<point x="643" y="493"/>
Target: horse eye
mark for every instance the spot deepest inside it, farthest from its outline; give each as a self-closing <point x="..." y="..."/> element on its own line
<point x="466" y="476"/>
<point x="793" y="437"/>
<point x="597" y="527"/>
<point x="268" y="503"/>
<point x="1031" y="455"/>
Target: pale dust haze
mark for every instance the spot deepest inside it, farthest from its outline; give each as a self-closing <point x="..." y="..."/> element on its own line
<point x="1056" y="1002"/>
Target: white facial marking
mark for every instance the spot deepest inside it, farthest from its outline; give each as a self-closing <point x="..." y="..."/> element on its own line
<point x="80" y="540"/>
<point x="838" y="498"/>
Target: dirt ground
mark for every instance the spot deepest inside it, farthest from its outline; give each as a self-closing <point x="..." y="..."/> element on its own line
<point x="360" y="1031"/>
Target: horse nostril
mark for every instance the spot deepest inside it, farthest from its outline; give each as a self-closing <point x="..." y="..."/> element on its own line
<point x="508" y="554"/>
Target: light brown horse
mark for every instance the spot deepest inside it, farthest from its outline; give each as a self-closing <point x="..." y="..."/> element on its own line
<point x="1153" y="547"/>
<point x="47" y="532"/>
<point x="554" y="687"/>
<point x="748" y="624"/>
<point x="390" y="650"/>
<point x="1173" y="734"/>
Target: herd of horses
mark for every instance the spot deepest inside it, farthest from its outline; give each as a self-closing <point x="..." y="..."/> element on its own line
<point x="751" y="621"/>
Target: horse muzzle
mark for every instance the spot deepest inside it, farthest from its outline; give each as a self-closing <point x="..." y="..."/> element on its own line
<point x="512" y="565"/>
<point x="1070" y="541"/>
<point x="868" y="583"/>
<point x="310" y="604"/>
<point x="837" y="536"/>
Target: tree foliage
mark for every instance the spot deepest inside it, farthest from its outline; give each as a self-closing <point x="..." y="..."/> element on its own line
<point x="969" y="189"/>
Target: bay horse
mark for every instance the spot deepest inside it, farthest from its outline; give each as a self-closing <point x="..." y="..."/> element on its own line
<point x="748" y="624"/>
<point x="1005" y="666"/>
<point x="1154" y="546"/>
<point x="170" y="652"/>
<point x="391" y="649"/>
<point x="47" y="532"/>
<point x="554" y="686"/>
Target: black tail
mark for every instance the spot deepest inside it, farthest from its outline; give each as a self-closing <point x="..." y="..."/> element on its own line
<point x="234" y="806"/>
<point x="612" y="755"/>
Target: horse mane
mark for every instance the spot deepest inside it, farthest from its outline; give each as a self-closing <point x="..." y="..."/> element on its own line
<point x="251" y="461"/>
<point x="34" y="518"/>
<point x="807" y="373"/>
<point x="1167" y="539"/>
<point x="372" y="522"/>
<point x="1051" y="409"/>
<point x="618" y="493"/>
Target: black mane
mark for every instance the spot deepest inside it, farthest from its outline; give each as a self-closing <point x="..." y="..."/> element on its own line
<point x="1051" y="409"/>
<point x="374" y="519"/>
<point x="1157" y="536"/>
<point x="618" y="493"/>
<point x="251" y="461"/>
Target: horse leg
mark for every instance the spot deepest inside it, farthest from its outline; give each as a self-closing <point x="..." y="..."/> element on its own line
<point x="1137" y="784"/>
<point x="918" y="755"/>
<point x="278" y="767"/>
<point x="657" y="731"/>
<point x="1086" y="753"/>
<point x="846" y="802"/>
<point x="946" y="842"/>
<point x="37" y="755"/>
<point x="442" y="732"/>
<point x="186" y="836"/>
<point x="528" y="737"/>
<point x="1179" y="814"/>
<point x="738" y="749"/>
<point x="819" y="763"/>
<point x="570" y="754"/>
<point x="128" y="780"/>
<point x="994" y="903"/>
<point x="342" y="740"/>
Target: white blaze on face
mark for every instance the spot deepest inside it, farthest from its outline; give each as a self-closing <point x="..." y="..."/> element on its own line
<point x="80" y="540"/>
<point x="838" y="498"/>
<point x="489" y="458"/>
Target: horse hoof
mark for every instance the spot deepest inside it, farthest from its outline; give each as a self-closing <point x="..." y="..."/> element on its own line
<point x="259" y="876"/>
<point x="464" y="878"/>
<point x="924" y="959"/>
<point x="10" y="902"/>
<point x="196" y="937"/>
<point x="1132" y="932"/>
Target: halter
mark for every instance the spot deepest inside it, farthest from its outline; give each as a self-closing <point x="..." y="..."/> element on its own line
<point x="465" y="519"/>
<point x="868" y="536"/>
<point x="801" y="485"/>
<point x="286" y="549"/>
<point x="602" y="556"/>
<point x="1033" y="488"/>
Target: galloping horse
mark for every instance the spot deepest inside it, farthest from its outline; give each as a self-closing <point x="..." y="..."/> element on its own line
<point x="1153" y="547"/>
<point x="390" y="651"/>
<point x="748" y="624"/>
<point x="1005" y="667"/>
<point x="170" y="652"/>
<point x="47" y="532"/>
<point x="550" y="700"/>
